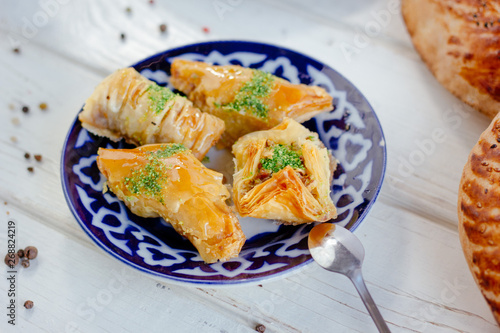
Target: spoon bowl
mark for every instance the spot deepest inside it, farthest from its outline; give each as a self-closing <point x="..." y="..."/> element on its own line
<point x="337" y="249"/>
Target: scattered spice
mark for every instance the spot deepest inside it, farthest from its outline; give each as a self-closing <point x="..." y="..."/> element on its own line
<point x="151" y="2"/>
<point x="20" y="253"/>
<point x="13" y="139"/>
<point x="12" y="106"/>
<point x="206" y="30"/>
<point x="11" y="259"/>
<point x="16" y="50"/>
<point x="25" y="109"/>
<point x="27" y="156"/>
<point x="122" y="36"/>
<point x="31" y="252"/>
<point x="15" y="121"/>
<point x="260" y="328"/>
<point x="128" y="10"/>
<point x="38" y="157"/>
<point x="28" y="304"/>
<point x="163" y="28"/>
<point x="25" y="263"/>
<point x="31" y="169"/>
<point x="43" y="106"/>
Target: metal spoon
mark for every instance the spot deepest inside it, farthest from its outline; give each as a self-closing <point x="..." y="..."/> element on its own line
<point x="337" y="249"/>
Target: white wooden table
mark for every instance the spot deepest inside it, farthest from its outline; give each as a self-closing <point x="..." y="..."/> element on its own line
<point x="414" y="265"/>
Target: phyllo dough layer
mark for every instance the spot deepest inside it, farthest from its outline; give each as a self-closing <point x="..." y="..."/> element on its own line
<point x="284" y="174"/>
<point x="167" y="180"/>
<point x="127" y="105"/>
<point x="246" y="99"/>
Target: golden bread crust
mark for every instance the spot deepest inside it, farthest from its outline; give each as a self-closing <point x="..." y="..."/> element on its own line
<point x="460" y="43"/>
<point x="479" y="214"/>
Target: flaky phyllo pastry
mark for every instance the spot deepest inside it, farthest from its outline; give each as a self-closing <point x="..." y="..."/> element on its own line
<point x="167" y="180"/>
<point x="284" y="174"/>
<point x="127" y="105"/>
<point x="246" y="99"/>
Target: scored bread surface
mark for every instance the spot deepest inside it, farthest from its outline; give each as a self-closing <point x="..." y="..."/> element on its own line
<point x="479" y="214"/>
<point x="459" y="40"/>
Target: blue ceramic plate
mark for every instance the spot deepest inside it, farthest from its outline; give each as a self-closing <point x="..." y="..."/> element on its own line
<point x="351" y="131"/>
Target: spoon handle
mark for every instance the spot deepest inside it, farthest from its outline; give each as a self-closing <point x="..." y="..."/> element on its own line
<point x="358" y="281"/>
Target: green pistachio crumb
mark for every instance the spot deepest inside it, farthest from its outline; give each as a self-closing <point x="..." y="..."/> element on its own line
<point x="169" y="150"/>
<point x="149" y="179"/>
<point x="282" y="156"/>
<point x="159" y="97"/>
<point x="250" y="98"/>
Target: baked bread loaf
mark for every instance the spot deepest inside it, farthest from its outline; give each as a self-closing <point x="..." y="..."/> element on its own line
<point x="479" y="214"/>
<point x="460" y="43"/>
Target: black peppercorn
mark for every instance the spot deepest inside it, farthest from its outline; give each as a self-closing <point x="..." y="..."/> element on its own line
<point x="260" y="328"/>
<point x="28" y="304"/>
<point x="31" y="252"/>
<point x="11" y="259"/>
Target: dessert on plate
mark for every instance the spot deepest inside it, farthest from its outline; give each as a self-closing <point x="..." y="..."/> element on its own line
<point x="246" y="99"/>
<point x="284" y="174"/>
<point x="126" y="105"/>
<point x="166" y="180"/>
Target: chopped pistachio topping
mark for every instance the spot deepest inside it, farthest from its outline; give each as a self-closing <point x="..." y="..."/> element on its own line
<point x="149" y="179"/>
<point x="249" y="98"/>
<point x="282" y="156"/>
<point x="169" y="150"/>
<point x="159" y="97"/>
